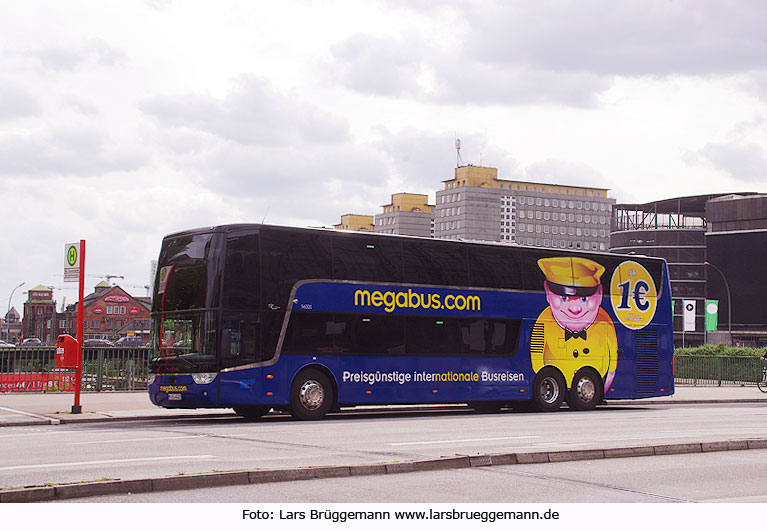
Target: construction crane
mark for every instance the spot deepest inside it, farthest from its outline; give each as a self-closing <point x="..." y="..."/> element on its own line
<point x="147" y="287"/>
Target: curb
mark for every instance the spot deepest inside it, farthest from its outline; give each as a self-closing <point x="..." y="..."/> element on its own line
<point x="51" y="420"/>
<point x="252" y="477"/>
<point x="57" y="420"/>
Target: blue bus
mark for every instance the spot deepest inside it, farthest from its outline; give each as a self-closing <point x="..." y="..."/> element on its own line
<point x="306" y="321"/>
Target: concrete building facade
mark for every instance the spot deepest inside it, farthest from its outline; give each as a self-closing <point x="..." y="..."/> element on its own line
<point x="358" y="222"/>
<point x="409" y="214"/>
<point x="476" y="205"/>
<point x="715" y="246"/>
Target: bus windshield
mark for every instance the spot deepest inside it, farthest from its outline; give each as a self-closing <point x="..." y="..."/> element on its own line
<point x="185" y="342"/>
<point x="188" y="273"/>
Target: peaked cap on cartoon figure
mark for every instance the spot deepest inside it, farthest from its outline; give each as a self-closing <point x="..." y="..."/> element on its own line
<point x="571" y="276"/>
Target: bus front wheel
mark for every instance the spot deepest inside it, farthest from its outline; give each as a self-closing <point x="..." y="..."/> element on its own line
<point x="586" y="391"/>
<point x="311" y="395"/>
<point x="548" y="389"/>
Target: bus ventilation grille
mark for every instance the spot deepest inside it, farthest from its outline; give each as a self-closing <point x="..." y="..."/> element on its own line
<point x="647" y="361"/>
<point x="536" y="339"/>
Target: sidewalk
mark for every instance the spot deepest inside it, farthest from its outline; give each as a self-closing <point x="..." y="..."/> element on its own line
<point x="22" y="409"/>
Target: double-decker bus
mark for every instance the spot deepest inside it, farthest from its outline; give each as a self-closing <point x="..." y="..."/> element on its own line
<point x="258" y="317"/>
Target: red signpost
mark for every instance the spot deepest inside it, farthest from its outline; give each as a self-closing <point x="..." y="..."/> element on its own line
<point x="69" y="348"/>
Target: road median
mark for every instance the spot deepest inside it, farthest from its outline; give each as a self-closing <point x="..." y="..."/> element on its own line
<point x="252" y="477"/>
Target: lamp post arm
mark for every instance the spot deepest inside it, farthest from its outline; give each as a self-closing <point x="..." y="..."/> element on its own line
<point x="729" y="299"/>
<point x="8" y="325"/>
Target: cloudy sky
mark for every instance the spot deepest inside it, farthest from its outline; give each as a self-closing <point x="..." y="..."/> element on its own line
<point x="123" y="121"/>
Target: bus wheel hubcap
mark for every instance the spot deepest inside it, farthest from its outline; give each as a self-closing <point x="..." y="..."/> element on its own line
<point x="586" y="389"/>
<point x="312" y="394"/>
<point x="549" y="390"/>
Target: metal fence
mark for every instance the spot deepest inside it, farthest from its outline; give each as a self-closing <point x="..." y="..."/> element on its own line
<point x="33" y="369"/>
<point x="717" y="370"/>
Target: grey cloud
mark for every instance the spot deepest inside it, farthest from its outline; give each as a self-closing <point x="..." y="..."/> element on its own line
<point x="558" y="52"/>
<point x="316" y="172"/>
<point x="317" y="184"/>
<point x="251" y="114"/>
<point x="422" y="160"/>
<point x="94" y="52"/>
<point x="491" y="84"/>
<point x="561" y="171"/>
<point x="631" y="37"/>
<point x="374" y="65"/>
<point x="15" y="102"/>
<point x="746" y="162"/>
<point x="65" y="152"/>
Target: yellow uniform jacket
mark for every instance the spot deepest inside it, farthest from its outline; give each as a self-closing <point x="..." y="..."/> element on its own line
<point x="599" y="350"/>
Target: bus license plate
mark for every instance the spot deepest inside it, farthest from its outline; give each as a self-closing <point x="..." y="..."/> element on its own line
<point x="174" y="396"/>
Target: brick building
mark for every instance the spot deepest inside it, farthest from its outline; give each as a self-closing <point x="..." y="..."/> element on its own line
<point x="111" y="313"/>
<point x="40" y="315"/>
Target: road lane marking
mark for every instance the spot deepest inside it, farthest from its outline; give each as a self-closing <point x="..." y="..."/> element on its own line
<point x="138" y="439"/>
<point x="50" y="420"/>
<point x="108" y="462"/>
<point x="451" y="441"/>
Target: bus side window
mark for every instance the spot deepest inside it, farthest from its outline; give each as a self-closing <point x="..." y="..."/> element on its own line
<point x="240" y="339"/>
<point x="493" y="337"/>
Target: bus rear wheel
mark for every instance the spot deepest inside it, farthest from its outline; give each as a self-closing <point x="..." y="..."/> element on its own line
<point x="548" y="389"/>
<point x="252" y="412"/>
<point x="586" y="391"/>
<point x="311" y="395"/>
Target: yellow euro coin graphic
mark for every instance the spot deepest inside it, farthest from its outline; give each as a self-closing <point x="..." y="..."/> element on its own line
<point x="633" y="295"/>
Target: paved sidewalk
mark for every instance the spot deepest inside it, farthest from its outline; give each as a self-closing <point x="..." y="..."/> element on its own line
<point x="19" y="409"/>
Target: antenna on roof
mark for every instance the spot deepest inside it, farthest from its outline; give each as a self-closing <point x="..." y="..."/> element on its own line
<point x="459" y="160"/>
<point x="266" y="214"/>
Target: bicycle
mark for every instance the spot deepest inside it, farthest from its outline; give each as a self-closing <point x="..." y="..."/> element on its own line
<point x="761" y="383"/>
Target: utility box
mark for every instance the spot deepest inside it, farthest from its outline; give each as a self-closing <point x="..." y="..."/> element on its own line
<point x="66" y="352"/>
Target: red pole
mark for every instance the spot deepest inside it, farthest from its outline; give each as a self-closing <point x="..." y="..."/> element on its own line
<point x="77" y="408"/>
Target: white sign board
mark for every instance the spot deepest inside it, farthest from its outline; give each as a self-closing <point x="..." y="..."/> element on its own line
<point x="72" y="262"/>
<point x="689" y="315"/>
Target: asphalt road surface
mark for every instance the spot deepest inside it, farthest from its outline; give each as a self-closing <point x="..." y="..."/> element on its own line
<point x="36" y="455"/>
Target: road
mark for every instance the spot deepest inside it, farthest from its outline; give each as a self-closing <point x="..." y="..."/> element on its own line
<point x="719" y="477"/>
<point x="147" y="449"/>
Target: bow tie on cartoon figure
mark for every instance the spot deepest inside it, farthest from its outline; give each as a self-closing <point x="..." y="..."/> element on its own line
<point x="577" y="332"/>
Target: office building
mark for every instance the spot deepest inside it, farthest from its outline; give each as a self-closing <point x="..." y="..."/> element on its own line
<point x="409" y="214"/>
<point x="715" y="246"/>
<point x="476" y="205"/>
<point x="358" y="222"/>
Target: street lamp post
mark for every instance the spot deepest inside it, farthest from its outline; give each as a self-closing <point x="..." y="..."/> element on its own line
<point x="729" y="300"/>
<point x="8" y="327"/>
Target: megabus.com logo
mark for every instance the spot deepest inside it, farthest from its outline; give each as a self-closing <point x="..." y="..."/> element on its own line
<point x="392" y="300"/>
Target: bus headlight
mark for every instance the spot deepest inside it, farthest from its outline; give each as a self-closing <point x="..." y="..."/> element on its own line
<point x="202" y="378"/>
<point x="150" y="379"/>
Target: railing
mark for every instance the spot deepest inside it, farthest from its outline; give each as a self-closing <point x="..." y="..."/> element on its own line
<point x="717" y="370"/>
<point x="33" y="369"/>
<point x="104" y="369"/>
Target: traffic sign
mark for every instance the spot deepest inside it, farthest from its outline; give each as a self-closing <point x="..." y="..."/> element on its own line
<point x="72" y="262"/>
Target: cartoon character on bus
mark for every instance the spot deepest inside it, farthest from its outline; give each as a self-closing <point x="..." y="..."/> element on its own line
<point x="576" y="331"/>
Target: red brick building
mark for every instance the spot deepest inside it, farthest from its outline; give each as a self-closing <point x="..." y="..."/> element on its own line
<point x="40" y="315"/>
<point x="111" y="313"/>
